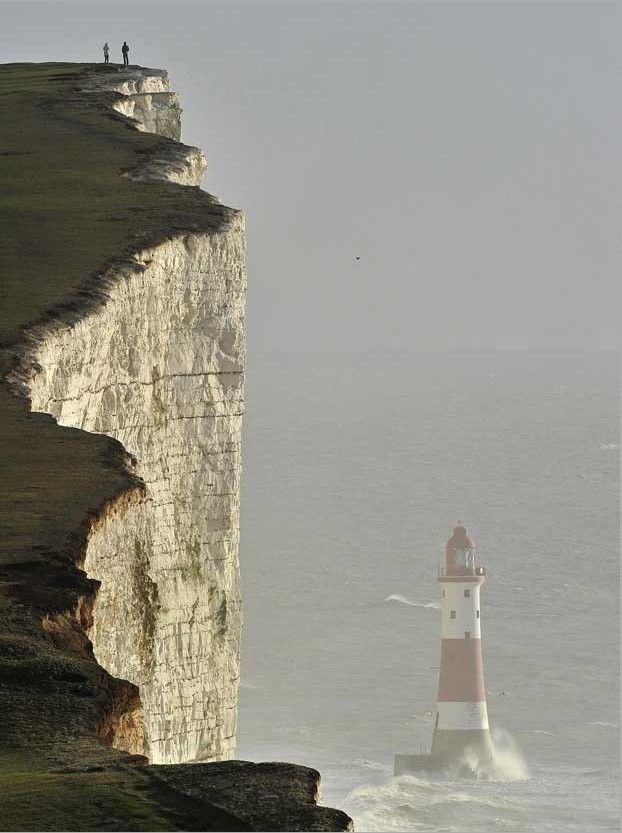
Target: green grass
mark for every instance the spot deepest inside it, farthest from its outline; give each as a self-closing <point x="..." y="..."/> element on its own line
<point x="100" y="798"/>
<point x="89" y="800"/>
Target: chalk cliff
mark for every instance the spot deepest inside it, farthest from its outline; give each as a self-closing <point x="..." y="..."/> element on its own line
<point x="125" y="323"/>
<point x="160" y="368"/>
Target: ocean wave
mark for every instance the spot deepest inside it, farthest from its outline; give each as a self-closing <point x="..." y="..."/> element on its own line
<point x="603" y="723"/>
<point x="411" y="803"/>
<point x="447" y="801"/>
<point x="375" y="765"/>
<point x="508" y="763"/>
<point x="608" y="447"/>
<point x="404" y="600"/>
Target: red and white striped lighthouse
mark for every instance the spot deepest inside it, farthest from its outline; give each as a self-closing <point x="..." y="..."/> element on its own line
<point x="461" y="722"/>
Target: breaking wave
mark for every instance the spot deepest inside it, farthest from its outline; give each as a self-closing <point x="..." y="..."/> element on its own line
<point x="375" y="765"/>
<point x="608" y="446"/>
<point x="410" y="803"/>
<point x="405" y="803"/>
<point x="404" y="600"/>
<point x="508" y="763"/>
<point x="447" y="801"/>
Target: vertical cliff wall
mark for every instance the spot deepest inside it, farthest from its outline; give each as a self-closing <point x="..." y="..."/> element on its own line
<point x="159" y="366"/>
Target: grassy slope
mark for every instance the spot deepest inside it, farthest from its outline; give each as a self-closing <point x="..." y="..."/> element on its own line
<point x="65" y="213"/>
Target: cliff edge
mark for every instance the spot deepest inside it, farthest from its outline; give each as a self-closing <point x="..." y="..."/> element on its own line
<point x="121" y="400"/>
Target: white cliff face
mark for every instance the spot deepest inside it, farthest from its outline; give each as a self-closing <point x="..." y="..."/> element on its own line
<point x="160" y="367"/>
<point x="153" y="112"/>
<point x="148" y="102"/>
<point x="183" y="164"/>
<point x="144" y="97"/>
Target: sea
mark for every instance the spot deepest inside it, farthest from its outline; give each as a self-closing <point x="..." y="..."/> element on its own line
<point x="357" y="463"/>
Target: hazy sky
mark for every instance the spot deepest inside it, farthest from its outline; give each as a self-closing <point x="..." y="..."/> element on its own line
<point x="469" y="152"/>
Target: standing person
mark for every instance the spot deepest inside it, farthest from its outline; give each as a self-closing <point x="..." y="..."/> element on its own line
<point x="106" y="53"/>
<point x="125" y="49"/>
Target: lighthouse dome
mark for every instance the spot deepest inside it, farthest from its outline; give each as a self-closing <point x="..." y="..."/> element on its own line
<point x="460" y="540"/>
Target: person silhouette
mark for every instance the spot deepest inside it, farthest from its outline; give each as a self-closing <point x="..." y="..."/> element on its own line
<point x="125" y="50"/>
<point x="106" y="53"/>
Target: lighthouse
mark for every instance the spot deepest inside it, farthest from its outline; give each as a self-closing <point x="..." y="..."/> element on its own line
<point x="461" y="720"/>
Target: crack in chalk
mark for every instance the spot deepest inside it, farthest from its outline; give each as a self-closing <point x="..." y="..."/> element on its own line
<point x="155" y="381"/>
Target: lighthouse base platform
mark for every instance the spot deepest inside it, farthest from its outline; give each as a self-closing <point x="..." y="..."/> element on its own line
<point x="466" y="750"/>
<point x="405" y="764"/>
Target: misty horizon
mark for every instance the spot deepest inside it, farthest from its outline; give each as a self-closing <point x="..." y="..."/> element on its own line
<point x="469" y="153"/>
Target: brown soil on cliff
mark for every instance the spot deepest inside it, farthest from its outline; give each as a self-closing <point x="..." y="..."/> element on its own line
<point x="67" y="216"/>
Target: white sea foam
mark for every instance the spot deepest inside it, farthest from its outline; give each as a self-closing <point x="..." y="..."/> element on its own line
<point x="375" y="765"/>
<point x="404" y="600"/>
<point x="603" y="723"/>
<point x="608" y="446"/>
<point x="410" y="803"/>
<point x="448" y="801"/>
<point x="508" y="763"/>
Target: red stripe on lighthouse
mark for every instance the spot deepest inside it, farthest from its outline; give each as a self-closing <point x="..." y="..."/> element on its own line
<point x="462" y="671"/>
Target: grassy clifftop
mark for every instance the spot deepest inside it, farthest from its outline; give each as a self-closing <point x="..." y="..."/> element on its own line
<point x="64" y="209"/>
<point x="67" y="216"/>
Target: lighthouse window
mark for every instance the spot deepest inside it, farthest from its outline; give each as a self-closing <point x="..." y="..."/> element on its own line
<point x="452" y="614"/>
<point x="477" y="614"/>
<point x="467" y="594"/>
<point x="443" y="593"/>
<point x="467" y="634"/>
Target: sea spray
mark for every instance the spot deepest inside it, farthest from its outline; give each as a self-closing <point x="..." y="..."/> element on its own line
<point x="508" y="763"/>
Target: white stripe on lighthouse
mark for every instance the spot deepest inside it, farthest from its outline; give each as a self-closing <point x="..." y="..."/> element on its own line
<point x="462" y="716"/>
<point x="464" y="609"/>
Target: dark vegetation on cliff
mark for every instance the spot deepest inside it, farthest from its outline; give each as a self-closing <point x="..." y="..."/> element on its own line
<point x="68" y="217"/>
